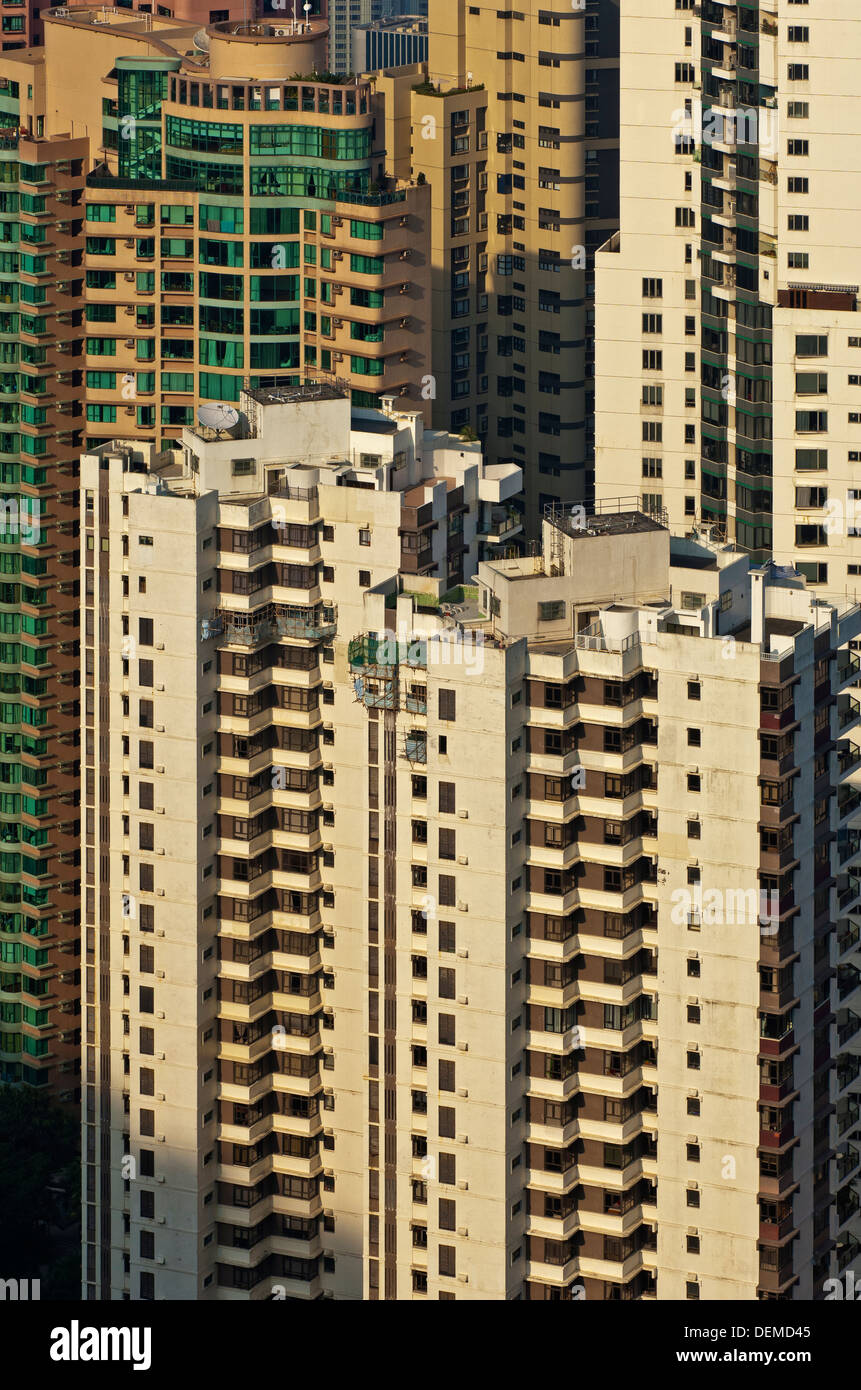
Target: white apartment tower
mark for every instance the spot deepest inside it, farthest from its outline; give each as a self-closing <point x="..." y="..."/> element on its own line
<point x="728" y="345"/>
<point x="406" y="977"/>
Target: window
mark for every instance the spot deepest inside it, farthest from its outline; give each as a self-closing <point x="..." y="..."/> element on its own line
<point x="447" y="798"/>
<point x="811" y="344"/>
<point x="693" y="781"/>
<point x="447" y="705"/>
<point x="811" y="421"/>
<point x="446" y="982"/>
<point x="551" y="612"/>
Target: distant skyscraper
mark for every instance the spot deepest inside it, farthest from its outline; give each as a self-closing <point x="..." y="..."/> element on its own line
<point x="344" y="15"/>
<point x="516" y="130"/>
<point x="729" y="338"/>
<point x="389" y="43"/>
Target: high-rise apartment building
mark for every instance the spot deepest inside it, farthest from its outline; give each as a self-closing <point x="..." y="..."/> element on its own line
<point x="388" y="43"/>
<point x="343" y="17"/>
<point x="180" y="216"/>
<point x="225" y="813"/>
<point x="515" y="127"/>
<point x="729" y="342"/>
<point x="445" y="942"/>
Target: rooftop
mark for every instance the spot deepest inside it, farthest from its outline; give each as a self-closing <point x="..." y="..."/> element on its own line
<point x="574" y="521"/>
<point x="296" y="395"/>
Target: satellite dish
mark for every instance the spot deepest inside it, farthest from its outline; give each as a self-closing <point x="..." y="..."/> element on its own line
<point x="217" y="416"/>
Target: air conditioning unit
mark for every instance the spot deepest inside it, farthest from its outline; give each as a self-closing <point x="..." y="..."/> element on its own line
<point x="463" y="907"/>
<point x="463" y="953"/>
<point x="463" y="1047"/>
<point x="130" y="241"/>
<point x="463" y="859"/>
<point x="463" y="1231"/>
<point x="159" y="974"/>
<point x="463" y="1138"/>
<point x="159" y="892"/>
<point x="463" y="999"/>
<point x="129" y="276"/>
<point x="130" y="342"/>
<point x="159" y="810"/>
<point x="463" y="1092"/>
<point x="159" y="646"/>
<point x="463" y="1185"/>
<point x="159" y="768"/>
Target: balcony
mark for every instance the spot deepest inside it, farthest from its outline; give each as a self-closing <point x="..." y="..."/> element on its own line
<point x="501" y="524"/>
<point x="266" y="624"/>
<point x="847" y="1162"/>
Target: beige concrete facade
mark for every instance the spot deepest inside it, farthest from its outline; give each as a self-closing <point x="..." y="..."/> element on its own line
<point x="461" y="905"/>
<point x="514" y="127"/>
